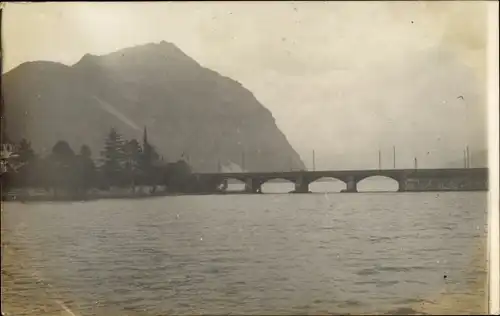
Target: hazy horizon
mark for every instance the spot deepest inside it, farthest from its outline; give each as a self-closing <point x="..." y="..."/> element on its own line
<point x="343" y="79"/>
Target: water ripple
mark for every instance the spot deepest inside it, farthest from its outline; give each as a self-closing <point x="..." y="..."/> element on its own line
<point x="270" y="254"/>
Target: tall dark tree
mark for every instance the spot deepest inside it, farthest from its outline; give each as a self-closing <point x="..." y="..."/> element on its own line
<point x="63" y="171"/>
<point x="149" y="160"/>
<point x="63" y="153"/>
<point x="86" y="169"/>
<point x="85" y="152"/>
<point x="133" y="154"/>
<point x="149" y="154"/>
<point x="114" y="158"/>
<point x="177" y="176"/>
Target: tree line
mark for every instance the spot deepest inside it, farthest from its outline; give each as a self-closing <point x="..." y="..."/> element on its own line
<point x="123" y="163"/>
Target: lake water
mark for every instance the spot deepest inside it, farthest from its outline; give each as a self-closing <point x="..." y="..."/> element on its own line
<point x="247" y="254"/>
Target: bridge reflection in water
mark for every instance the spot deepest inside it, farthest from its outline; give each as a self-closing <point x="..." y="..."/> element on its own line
<point x="408" y="180"/>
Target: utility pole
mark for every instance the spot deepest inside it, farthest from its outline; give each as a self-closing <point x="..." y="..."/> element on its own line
<point x="468" y="156"/>
<point x="416" y="163"/>
<point x="379" y="160"/>
<point x="465" y="158"/>
<point x="394" y="156"/>
<point x="466" y="131"/>
<point x="314" y="161"/>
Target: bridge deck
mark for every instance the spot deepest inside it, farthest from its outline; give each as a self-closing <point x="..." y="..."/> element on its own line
<point x="370" y="172"/>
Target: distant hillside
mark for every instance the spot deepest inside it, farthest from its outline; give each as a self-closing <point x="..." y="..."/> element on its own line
<point x="185" y="107"/>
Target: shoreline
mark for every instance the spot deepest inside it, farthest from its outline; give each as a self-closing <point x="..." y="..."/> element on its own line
<point x="48" y="197"/>
<point x="106" y="195"/>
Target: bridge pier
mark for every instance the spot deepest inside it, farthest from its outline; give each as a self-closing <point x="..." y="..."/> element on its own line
<point x="402" y="185"/>
<point x="224" y="185"/>
<point x="252" y="186"/>
<point x="301" y="185"/>
<point x="352" y="185"/>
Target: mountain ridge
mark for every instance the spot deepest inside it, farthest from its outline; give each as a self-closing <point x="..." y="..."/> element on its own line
<point x="211" y="117"/>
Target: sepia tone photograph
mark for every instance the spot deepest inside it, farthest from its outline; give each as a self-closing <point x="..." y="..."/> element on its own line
<point x="249" y="158"/>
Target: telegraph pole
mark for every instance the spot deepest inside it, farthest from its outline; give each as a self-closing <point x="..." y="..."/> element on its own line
<point x="416" y="163"/>
<point x="394" y="156"/>
<point x="314" y="161"/>
<point x="379" y="160"/>
<point x="465" y="158"/>
<point x="468" y="156"/>
<point x="466" y="131"/>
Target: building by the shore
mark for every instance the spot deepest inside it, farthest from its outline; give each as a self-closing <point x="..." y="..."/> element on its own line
<point x="7" y="155"/>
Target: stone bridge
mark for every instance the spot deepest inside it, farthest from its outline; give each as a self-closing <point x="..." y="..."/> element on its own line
<point x="470" y="179"/>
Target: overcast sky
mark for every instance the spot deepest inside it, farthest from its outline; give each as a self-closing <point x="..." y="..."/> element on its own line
<point x="342" y="78"/>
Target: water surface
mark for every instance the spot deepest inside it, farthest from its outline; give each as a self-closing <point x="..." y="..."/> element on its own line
<point x="247" y="254"/>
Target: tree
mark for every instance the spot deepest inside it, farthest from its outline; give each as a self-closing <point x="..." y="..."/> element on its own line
<point x="148" y="162"/>
<point x="114" y="158"/>
<point x="85" y="152"/>
<point x="63" y="167"/>
<point x="133" y="154"/>
<point x="178" y="176"/>
<point x="86" y="169"/>
<point x="43" y="170"/>
<point x="63" y="153"/>
<point x="150" y="154"/>
<point x="25" y="152"/>
<point x="146" y="151"/>
<point x="26" y="163"/>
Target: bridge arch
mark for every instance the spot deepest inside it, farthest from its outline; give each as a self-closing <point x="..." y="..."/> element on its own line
<point x="327" y="184"/>
<point x="232" y="184"/>
<point x="378" y="183"/>
<point x="277" y="185"/>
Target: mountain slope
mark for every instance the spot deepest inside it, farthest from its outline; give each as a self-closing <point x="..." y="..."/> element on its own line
<point x="186" y="108"/>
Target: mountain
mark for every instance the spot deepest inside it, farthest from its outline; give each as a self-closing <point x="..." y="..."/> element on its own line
<point x="186" y="108"/>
